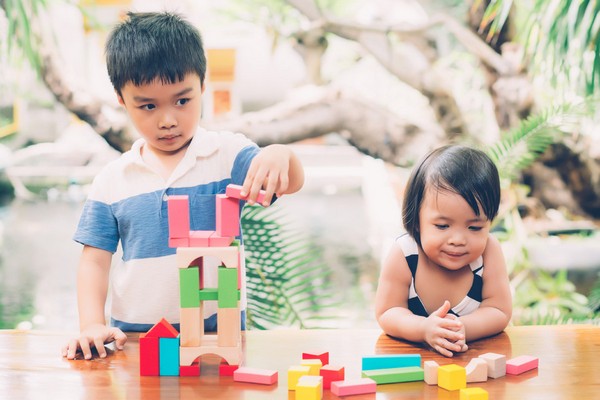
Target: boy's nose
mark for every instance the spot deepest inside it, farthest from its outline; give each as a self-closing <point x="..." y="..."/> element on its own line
<point x="167" y="121"/>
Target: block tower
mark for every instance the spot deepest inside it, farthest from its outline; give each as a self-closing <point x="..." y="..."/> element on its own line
<point x="192" y="247"/>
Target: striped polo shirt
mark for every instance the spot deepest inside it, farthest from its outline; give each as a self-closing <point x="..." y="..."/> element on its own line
<point x="127" y="204"/>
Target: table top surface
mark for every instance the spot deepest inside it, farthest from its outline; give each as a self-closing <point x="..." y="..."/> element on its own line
<point x="31" y="366"/>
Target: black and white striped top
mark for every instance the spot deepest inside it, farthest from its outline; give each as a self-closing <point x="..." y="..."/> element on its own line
<point x="471" y="301"/>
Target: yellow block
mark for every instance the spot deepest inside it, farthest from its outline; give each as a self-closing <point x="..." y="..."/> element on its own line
<point x="314" y="364"/>
<point x="295" y="373"/>
<point x="309" y="388"/>
<point x="452" y="377"/>
<point x="473" y="394"/>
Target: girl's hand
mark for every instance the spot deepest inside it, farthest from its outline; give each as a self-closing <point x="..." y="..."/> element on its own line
<point x="444" y="334"/>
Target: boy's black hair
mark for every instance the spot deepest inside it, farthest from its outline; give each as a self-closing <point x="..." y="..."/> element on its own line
<point x="459" y="169"/>
<point x="149" y="46"/>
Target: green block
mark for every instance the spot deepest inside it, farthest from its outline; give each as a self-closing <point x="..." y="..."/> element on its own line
<point x="395" y="375"/>
<point x="189" y="280"/>
<point x="208" y="294"/>
<point x="227" y="287"/>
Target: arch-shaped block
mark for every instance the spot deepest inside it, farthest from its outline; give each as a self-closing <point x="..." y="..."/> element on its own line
<point x="229" y="256"/>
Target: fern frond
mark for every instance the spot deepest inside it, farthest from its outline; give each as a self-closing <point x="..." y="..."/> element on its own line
<point x="287" y="283"/>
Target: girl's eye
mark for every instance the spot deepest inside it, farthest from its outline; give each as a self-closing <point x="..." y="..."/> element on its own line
<point x="148" y="107"/>
<point x="440" y="226"/>
<point x="182" y="102"/>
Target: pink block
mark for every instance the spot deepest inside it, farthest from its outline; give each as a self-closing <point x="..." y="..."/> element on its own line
<point x="200" y="238"/>
<point x="324" y="357"/>
<point x="219" y="241"/>
<point x="234" y="191"/>
<point x="518" y="365"/>
<point x="228" y="216"/>
<point x="255" y="375"/>
<point x="331" y="373"/>
<point x="179" y="242"/>
<point x="358" y="386"/>
<point x="179" y="216"/>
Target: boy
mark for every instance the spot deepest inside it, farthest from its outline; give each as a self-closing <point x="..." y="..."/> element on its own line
<point x="156" y="64"/>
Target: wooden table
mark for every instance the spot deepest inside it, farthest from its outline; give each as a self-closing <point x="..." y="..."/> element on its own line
<point x="31" y="366"/>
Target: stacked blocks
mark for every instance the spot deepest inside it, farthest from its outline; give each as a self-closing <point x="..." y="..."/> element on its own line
<point x="164" y="351"/>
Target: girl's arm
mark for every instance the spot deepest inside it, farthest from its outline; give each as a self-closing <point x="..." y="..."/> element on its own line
<point x="394" y="317"/>
<point x="495" y="311"/>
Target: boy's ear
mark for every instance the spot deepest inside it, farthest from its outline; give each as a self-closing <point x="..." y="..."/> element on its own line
<point x="120" y="98"/>
<point x="202" y="88"/>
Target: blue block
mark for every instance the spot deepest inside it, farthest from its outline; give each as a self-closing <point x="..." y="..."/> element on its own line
<point x="384" y="361"/>
<point x="168" y="349"/>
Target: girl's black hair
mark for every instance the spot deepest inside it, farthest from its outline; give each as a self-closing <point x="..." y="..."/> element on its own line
<point x="149" y="46"/>
<point x="463" y="170"/>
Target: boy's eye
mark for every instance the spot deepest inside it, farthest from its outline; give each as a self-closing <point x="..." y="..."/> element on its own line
<point x="441" y="226"/>
<point x="148" y="107"/>
<point x="182" y="102"/>
<point x="475" y="228"/>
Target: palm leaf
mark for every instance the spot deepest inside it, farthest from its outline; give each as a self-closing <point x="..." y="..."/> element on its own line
<point x="287" y="282"/>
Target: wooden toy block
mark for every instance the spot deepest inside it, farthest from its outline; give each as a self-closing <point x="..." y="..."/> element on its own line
<point x="189" y="370"/>
<point x="191" y="326"/>
<point x="229" y="255"/>
<point x="353" y="387"/>
<point x="331" y="373"/>
<point x="200" y="238"/>
<point x="452" y="377"/>
<point x="178" y="208"/>
<point x="179" y="242"/>
<point x="235" y="190"/>
<point x="294" y="373"/>
<point x="227" y="215"/>
<point x="168" y="349"/>
<point x="226" y="369"/>
<point x="324" y="357"/>
<point x="189" y="296"/>
<point x="518" y="365"/>
<point x="255" y="375"/>
<point x="309" y="388"/>
<point x="219" y="241"/>
<point x="149" y="356"/>
<point x="473" y="394"/>
<point x="232" y="355"/>
<point x="477" y="370"/>
<point x="162" y="329"/>
<point x="385" y="361"/>
<point x="208" y="294"/>
<point x="314" y="364"/>
<point x="430" y="369"/>
<point x="228" y="326"/>
<point x="227" y="287"/>
<point x="496" y="364"/>
<point x="394" y="375"/>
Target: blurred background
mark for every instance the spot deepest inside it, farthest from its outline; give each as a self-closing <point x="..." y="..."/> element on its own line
<point x="360" y="89"/>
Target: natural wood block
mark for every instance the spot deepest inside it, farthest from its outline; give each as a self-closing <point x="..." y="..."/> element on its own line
<point x="496" y="364"/>
<point x="430" y="370"/>
<point x="477" y="370"/>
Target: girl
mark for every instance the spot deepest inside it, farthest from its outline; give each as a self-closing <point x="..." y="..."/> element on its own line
<point x="445" y="282"/>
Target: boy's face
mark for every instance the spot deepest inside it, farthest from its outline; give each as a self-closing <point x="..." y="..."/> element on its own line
<point x="165" y="115"/>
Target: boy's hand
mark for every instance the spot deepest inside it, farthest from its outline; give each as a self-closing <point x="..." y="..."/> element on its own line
<point x="444" y="333"/>
<point x="94" y="336"/>
<point x="269" y="170"/>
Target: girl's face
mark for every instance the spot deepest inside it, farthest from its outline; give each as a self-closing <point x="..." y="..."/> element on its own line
<point x="452" y="236"/>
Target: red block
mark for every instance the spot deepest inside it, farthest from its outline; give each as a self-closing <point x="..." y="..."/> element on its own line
<point x="189" y="370"/>
<point x="162" y="329"/>
<point x="324" y="357"/>
<point x="255" y="375"/>
<point x="149" y="359"/>
<point x="228" y="216"/>
<point x="331" y="373"/>
<point x="179" y="216"/>
<point x="518" y="365"/>
<point x="234" y="191"/>
<point x="226" y="369"/>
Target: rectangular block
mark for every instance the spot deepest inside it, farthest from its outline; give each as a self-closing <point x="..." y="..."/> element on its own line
<point x="226" y="369"/>
<point x="331" y="373"/>
<point x="518" y="365"/>
<point x="169" y="356"/>
<point x="228" y="326"/>
<point x="191" y="326"/>
<point x="314" y="364"/>
<point x="179" y="216"/>
<point x="384" y="361"/>
<point x="227" y="215"/>
<point x="189" y="296"/>
<point x="255" y="375"/>
<point x="227" y="287"/>
<point x="430" y="369"/>
<point x="208" y="294"/>
<point x="219" y="241"/>
<point x="189" y="370"/>
<point x="353" y="387"/>
<point x="394" y="375"/>
<point x="323" y="356"/>
<point x="200" y="238"/>
<point x="149" y="356"/>
<point x="179" y="242"/>
<point x="496" y="364"/>
<point x="234" y="191"/>
<point x="294" y="373"/>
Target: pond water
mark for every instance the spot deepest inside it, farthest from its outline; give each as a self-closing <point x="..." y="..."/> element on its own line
<point x="38" y="258"/>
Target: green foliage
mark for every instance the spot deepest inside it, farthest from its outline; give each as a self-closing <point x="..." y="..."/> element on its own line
<point x="286" y="280"/>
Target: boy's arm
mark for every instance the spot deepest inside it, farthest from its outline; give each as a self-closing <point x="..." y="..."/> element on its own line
<point x="495" y="311"/>
<point x="277" y="170"/>
<point x="92" y="288"/>
<point x="394" y="317"/>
